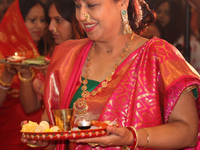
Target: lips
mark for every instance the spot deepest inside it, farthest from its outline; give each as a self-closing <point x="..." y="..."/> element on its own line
<point x="89" y="27"/>
<point x="55" y="36"/>
<point x="38" y="32"/>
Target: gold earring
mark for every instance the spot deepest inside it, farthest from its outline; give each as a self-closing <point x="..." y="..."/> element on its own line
<point x="55" y="29"/>
<point x="127" y="28"/>
<point x="87" y="17"/>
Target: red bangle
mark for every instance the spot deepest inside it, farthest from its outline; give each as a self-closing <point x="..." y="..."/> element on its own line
<point x="135" y="136"/>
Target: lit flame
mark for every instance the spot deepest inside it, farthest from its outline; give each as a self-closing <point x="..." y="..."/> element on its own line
<point x="16" y="54"/>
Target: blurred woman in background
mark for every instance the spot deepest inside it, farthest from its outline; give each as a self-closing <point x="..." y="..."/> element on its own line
<point x="63" y="26"/>
<point x="21" y="30"/>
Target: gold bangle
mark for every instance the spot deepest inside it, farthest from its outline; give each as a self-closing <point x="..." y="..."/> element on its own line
<point x="32" y="145"/>
<point x="24" y="79"/>
<point x="147" y="138"/>
<point x="4" y="84"/>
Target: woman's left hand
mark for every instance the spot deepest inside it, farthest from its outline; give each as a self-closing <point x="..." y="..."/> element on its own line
<point x="117" y="136"/>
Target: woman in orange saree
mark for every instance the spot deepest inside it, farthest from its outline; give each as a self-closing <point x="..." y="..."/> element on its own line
<point x="15" y="37"/>
<point x="152" y="92"/>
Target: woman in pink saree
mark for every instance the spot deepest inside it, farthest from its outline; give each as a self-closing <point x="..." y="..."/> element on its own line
<point x="146" y="86"/>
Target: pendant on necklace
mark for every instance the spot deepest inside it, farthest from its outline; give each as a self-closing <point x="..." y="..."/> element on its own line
<point x="80" y="106"/>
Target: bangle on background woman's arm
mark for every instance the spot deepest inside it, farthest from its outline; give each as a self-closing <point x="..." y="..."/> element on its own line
<point x="3" y="85"/>
<point x="27" y="80"/>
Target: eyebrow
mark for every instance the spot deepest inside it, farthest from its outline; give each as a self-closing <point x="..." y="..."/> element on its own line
<point x="55" y="17"/>
<point x="79" y="0"/>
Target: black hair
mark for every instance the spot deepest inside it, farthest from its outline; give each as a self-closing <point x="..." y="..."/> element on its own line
<point x="25" y="6"/>
<point x="66" y="8"/>
<point x="176" y="23"/>
<point x="160" y="28"/>
<point x="148" y="16"/>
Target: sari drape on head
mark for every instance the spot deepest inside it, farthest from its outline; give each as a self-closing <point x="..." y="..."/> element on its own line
<point x="14" y="37"/>
<point x="142" y="93"/>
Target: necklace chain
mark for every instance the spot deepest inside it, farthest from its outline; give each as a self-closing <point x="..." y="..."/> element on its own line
<point x="81" y="103"/>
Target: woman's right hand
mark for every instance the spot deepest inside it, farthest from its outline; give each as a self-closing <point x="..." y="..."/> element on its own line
<point x="33" y="143"/>
<point x="10" y="70"/>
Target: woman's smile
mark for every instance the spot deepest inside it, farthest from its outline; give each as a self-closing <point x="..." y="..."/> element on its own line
<point x="89" y="27"/>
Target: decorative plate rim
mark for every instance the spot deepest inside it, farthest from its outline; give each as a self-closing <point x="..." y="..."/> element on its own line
<point x="77" y="134"/>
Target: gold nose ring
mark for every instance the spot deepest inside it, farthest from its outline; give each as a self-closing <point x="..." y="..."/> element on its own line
<point x="87" y="17"/>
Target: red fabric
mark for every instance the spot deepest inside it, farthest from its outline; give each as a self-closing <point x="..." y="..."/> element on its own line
<point x="14" y="37"/>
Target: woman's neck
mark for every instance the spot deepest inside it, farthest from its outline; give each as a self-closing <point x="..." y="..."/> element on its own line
<point x="112" y="47"/>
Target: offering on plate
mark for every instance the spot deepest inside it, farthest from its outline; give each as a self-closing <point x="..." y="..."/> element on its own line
<point x="35" y="61"/>
<point x="16" y="58"/>
<point x="43" y="126"/>
<point x="83" y="125"/>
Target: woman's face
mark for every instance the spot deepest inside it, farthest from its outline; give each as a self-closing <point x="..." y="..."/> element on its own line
<point x="61" y="29"/>
<point x="104" y="15"/>
<point x="163" y="13"/>
<point x="35" y="22"/>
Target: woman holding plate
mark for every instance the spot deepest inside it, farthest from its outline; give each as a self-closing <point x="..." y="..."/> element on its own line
<point x="115" y="74"/>
<point x="63" y="26"/>
<point x="21" y="30"/>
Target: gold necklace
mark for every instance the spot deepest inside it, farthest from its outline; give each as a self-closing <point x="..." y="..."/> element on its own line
<point x="80" y="105"/>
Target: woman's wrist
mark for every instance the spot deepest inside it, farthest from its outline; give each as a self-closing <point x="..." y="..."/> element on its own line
<point x="135" y="136"/>
<point x="6" y="79"/>
<point x="39" y="147"/>
<point x="26" y="77"/>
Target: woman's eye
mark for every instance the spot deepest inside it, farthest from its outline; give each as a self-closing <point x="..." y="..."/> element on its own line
<point x="42" y="20"/>
<point x="91" y="5"/>
<point x="32" y="20"/>
<point x="58" y="20"/>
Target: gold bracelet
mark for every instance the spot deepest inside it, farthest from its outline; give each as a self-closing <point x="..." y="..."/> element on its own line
<point x="24" y="79"/>
<point x="147" y="138"/>
<point x="4" y="84"/>
<point x="32" y="145"/>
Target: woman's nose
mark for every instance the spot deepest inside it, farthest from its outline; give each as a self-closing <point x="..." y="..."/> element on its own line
<point x="80" y="14"/>
<point x="51" y="26"/>
<point x="40" y="23"/>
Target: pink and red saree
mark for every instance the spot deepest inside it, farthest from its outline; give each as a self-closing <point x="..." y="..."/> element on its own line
<point x="142" y="93"/>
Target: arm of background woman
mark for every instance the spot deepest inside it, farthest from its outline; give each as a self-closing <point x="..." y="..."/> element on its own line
<point x="28" y="96"/>
<point x="181" y="130"/>
<point x="6" y="78"/>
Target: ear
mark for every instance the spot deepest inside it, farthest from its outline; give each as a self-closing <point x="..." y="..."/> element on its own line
<point x="124" y="4"/>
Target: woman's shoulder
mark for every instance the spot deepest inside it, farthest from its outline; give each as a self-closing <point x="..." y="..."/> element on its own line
<point x="162" y="48"/>
<point x="158" y="44"/>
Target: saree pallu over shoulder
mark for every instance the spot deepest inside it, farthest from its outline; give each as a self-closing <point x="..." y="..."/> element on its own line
<point x="143" y="91"/>
<point x="59" y="72"/>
